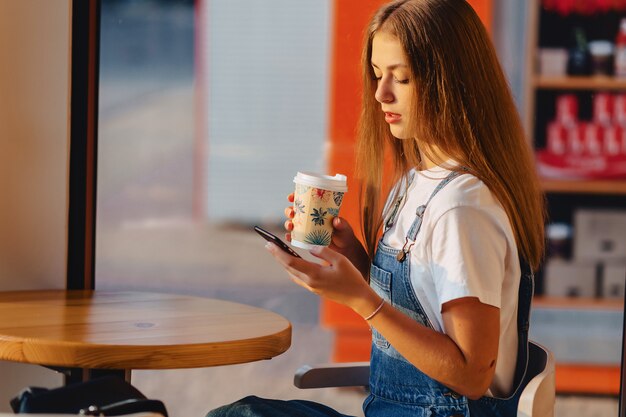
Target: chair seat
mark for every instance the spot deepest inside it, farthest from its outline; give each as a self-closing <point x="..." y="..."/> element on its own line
<point x="346" y="374"/>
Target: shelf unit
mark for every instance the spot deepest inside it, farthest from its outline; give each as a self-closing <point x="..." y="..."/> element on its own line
<point x="589" y="379"/>
<point x="581" y="303"/>
<point x="605" y="83"/>
<point x="536" y="82"/>
<point x="584" y="187"/>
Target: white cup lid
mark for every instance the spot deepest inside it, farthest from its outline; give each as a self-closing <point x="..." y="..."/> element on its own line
<point x="325" y="182"/>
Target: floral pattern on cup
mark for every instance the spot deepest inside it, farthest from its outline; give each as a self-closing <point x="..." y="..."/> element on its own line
<point x="314" y="211"/>
<point x="334" y="212"/>
<point x="318" y="237"/>
<point x="318" y="216"/>
<point x="321" y="195"/>
<point x="338" y="198"/>
<point x="298" y="207"/>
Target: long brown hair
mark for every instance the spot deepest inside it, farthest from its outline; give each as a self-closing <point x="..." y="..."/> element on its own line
<point x="462" y="105"/>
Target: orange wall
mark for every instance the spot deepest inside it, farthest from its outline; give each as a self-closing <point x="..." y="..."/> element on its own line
<point x="484" y="9"/>
<point x="350" y="19"/>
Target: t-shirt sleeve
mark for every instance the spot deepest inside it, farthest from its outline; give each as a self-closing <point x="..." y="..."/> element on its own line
<point x="468" y="253"/>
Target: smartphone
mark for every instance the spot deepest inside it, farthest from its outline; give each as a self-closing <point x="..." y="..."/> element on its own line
<point x="271" y="238"/>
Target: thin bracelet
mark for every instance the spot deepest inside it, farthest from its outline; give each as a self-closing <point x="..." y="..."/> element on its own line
<point x="382" y="303"/>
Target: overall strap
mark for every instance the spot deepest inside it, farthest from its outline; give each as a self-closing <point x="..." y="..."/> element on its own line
<point x="419" y="214"/>
<point x="525" y="296"/>
<point x="405" y="183"/>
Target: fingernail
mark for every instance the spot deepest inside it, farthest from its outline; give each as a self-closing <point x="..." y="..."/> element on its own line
<point x="316" y="250"/>
<point x="269" y="247"/>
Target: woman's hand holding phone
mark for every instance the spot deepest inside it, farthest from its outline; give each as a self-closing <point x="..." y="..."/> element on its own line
<point x="336" y="278"/>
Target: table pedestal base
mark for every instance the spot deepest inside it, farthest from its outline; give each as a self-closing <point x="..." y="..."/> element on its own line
<point x="74" y="375"/>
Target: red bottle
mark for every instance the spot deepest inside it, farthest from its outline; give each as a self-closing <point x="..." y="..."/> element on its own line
<point x="620" y="50"/>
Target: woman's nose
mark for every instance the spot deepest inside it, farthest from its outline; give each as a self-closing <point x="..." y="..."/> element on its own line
<point x="383" y="94"/>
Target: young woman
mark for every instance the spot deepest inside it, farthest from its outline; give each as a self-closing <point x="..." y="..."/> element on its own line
<point x="439" y="278"/>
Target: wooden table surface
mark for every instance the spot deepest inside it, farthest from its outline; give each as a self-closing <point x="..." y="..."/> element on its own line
<point x="135" y="330"/>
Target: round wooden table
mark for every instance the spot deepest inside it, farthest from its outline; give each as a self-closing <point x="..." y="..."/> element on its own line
<point x="135" y="330"/>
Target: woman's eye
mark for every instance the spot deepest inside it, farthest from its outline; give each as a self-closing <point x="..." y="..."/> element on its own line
<point x="395" y="79"/>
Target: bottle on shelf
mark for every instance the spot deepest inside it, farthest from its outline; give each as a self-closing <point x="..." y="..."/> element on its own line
<point x="620" y="50"/>
<point x="579" y="57"/>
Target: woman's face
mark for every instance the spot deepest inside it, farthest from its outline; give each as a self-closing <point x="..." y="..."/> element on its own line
<point x="395" y="84"/>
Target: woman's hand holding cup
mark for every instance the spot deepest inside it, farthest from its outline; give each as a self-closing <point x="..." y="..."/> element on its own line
<point x="343" y="241"/>
<point x="289" y="213"/>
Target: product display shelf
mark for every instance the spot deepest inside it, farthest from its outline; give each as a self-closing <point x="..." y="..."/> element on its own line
<point x="578" y="303"/>
<point x="599" y="82"/>
<point x="615" y="187"/>
<point x="536" y="82"/>
<point x="572" y="378"/>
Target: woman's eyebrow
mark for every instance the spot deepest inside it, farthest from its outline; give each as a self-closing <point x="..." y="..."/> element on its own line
<point x="391" y="67"/>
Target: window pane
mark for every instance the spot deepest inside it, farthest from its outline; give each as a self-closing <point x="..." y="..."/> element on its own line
<point x="267" y="103"/>
<point x="146" y="125"/>
<point x="207" y="111"/>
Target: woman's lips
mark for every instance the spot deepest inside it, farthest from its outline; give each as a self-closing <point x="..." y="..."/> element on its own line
<point x="392" y="117"/>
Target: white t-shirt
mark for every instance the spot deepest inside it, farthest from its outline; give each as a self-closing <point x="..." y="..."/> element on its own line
<point x="465" y="248"/>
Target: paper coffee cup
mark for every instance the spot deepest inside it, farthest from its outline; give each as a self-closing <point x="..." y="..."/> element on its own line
<point x="316" y="203"/>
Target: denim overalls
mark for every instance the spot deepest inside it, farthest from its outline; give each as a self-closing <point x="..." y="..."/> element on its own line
<point x="397" y="387"/>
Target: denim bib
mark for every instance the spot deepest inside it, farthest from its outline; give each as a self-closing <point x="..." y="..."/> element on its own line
<point x="398" y="388"/>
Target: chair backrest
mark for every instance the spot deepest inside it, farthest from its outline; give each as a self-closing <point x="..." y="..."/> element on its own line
<point x="538" y="396"/>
